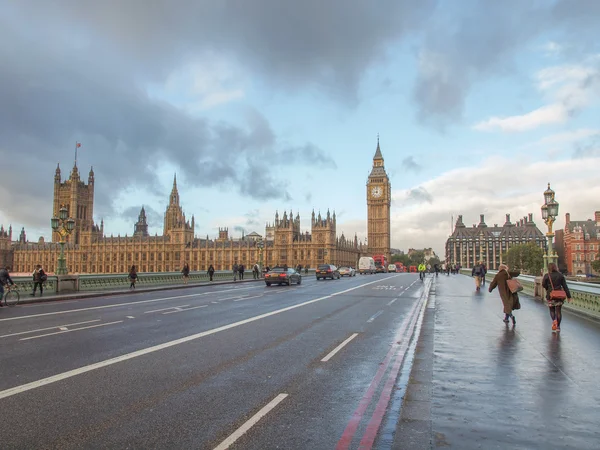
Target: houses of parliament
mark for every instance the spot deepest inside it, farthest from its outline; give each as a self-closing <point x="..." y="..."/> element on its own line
<point x="89" y="250"/>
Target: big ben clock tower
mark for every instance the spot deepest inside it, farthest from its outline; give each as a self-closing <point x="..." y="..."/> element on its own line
<point x="378" y="208"/>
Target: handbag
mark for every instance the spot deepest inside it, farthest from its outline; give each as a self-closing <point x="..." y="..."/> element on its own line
<point x="516" y="302"/>
<point x="556" y="294"/>
<point x="514" y="286"/>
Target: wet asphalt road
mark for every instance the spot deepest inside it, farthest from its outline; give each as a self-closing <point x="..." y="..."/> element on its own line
<point x="300" y="367"/>
<point x="502" y="387"/>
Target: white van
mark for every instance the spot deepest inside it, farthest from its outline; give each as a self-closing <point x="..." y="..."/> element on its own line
<point x="366" y="264"/>
<point x="392" y="268"/>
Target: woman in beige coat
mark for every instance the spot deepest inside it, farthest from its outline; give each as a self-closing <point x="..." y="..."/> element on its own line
<point x="508" y="298"/>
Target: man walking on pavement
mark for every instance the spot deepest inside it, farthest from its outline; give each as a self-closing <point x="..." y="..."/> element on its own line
<point x="235" y="271"/>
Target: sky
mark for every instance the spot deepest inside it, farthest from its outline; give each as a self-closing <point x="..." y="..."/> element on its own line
<point x="268" y="105"/>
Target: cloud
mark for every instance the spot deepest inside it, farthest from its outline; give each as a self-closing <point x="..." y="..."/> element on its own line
<point x="589" y="148"/>
<point x="504" y="188"/>
<point x="462" y="46"/>
<point x="327" y="44"/>
<point x="252" y="217"/>
<point x="416" y="195"/>
<point x="571" y="88"/>
<point x="410" y="164"/>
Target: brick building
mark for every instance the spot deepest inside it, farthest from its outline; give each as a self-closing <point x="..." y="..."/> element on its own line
<point x="581" y="244"/>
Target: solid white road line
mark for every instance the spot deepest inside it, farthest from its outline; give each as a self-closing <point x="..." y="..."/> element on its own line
<point x="109" y="362"/>
<point x="184" y="309"/>
<point x="70" y="331"/>
<point x="164" y="309"/>
<point x="338" y="348"/>
<point x="116" y="305"/>
<point x="375" y="316"/>
<point x="250" y="423"/>
<point x="49" y="328"/>
<point x="248" y="298"/>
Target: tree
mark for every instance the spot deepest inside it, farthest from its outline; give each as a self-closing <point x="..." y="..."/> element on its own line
<point x="525" y="257"/>
<point x="404" y="259"/>
<point x="417" y="258"/>
<point x="596" y="263"/>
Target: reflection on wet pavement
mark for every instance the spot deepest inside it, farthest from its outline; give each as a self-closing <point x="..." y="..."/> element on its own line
<point x="499" y="386"/>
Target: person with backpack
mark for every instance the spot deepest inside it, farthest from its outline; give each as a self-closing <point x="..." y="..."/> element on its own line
<point x="256" y="271"/>
<point x="185" y="272"/>
<point x="477" y="272"/>
<point x="39" y="278"/>
<point x="5" y="280"/>
<point x="211" y="272"/>
<point x="557" y="292"/>
<point x="132" y="277"/>
<point x="235" y="271"/>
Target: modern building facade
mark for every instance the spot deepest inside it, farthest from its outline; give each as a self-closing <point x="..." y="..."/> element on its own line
<point x="581" y="244"/>
<point x="379" y="200"/>
<point x="89" y="250"/>
<point x="467" y="245"/>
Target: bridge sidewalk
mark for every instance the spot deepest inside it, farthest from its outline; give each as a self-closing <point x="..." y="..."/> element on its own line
<point x="27" y="298"/>
<point x="478" y="383"/>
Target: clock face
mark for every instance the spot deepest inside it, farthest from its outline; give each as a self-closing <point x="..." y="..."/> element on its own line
<point x="376" y="191"/>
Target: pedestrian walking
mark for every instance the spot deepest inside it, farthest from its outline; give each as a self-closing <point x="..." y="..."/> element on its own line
<point x="477" y="272"/>
<point x="256" y="271"/>
<point x="241" y="270"/>
<point x="185" y="272"/>
<point x="132" y="277"/>
<point x="484" y="272"/>
<point x="557" y="292"/>
<point x="211" y="272"/>
<point x="510" y="300"/>
<point x="235" y="271"/>
<point x="39" y="278"/>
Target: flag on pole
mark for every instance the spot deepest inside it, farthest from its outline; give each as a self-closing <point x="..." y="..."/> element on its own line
<point x="78" y="144"/>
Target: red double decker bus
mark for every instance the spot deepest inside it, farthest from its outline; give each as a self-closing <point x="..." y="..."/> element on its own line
<point x="380" y="263"/>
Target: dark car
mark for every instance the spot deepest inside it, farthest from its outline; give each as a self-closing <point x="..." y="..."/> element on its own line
<point x="327" y="271"/>
<point x="280" y="275"/>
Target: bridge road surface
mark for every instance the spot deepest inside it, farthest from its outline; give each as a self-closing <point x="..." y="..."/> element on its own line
<point x="232" y="366"/>
<point x="481" y="384"/>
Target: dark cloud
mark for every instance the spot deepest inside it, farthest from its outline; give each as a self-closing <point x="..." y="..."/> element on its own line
<point x="419" y="195"/>
<point x="330" y="44"/>
<point x="589" y="148"/>
<point x="252" y="217"/>
<point x="411" y="165"/>
<point x="154" y="219"/>
<point x="465" y="43"/>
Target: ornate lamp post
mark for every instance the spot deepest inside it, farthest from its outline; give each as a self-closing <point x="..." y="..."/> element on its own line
<point x="261" y="246"/>
<point x="63" y="226"/>
<point x="549" y="214"/>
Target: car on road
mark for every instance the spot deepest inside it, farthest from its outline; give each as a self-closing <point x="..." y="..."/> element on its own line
<point x="347" y="272"/>
<point x="280" y="275"/>
<point x="392" y="268"/>
<point x="327" y="271"/>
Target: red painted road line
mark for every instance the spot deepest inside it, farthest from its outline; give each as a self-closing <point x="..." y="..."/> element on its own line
<point x="348" y="434"/>
<point x="368" y="439"/>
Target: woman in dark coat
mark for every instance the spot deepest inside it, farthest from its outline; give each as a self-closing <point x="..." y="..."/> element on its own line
<point x="508" y="298"/>
<point x="132" y="277"/>
<point x="556" y="279"/>
<point x="185" y="272"/>
<point x="211" y="272"/>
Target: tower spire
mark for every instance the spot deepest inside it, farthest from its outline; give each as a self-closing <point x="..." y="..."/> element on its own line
<point x="378" y="154"/>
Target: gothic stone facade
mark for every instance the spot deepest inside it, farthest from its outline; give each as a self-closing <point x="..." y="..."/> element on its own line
<point x="581" y="244"/>
<point x="88" y="250"/>
<point x="482" y="243"/>
<point x="379" y="199"/>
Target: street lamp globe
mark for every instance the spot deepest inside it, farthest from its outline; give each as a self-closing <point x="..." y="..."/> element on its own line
<point x="62" y="213"/>
<point x="70" y="225"/>
<point x="54" y="223"/>
<point x="544" y="212"/>
<point x="548" y="195"/>
<point x="553" y="208"/>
